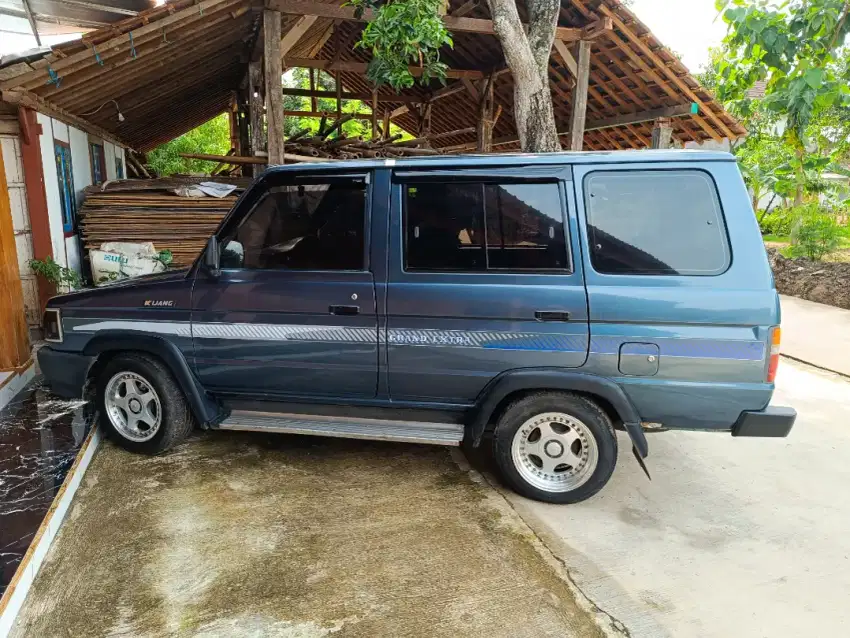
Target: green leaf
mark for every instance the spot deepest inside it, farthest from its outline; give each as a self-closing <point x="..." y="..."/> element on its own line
<point x="814" y="78"/>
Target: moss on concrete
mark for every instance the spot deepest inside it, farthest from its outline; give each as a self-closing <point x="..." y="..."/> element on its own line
<point x="241" y="534"/>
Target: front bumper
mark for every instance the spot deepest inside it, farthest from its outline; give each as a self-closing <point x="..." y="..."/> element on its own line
<point x="66" y="372"/>
<point x="770" y="422"/>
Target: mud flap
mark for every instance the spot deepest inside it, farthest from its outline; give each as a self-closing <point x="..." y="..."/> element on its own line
<point x="640" y="446"/>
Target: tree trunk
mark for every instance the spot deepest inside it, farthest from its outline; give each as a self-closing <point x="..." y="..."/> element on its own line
<point x="801" y="178"/>
<point x="527" y="56"/>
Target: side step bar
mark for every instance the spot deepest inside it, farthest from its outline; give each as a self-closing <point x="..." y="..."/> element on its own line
<point x="345" y="428"/>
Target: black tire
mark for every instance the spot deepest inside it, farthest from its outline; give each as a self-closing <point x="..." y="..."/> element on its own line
<point x="176" y="419"/>
<point x="577" y="406"/>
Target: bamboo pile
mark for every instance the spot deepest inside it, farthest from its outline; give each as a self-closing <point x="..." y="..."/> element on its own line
<point x="137" y="214"/>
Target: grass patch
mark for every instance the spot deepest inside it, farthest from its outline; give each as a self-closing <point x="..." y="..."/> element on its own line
<point x="778" y="239"/>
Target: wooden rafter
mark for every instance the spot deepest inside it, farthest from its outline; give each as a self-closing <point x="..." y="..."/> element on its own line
<point x="453" y="23"/>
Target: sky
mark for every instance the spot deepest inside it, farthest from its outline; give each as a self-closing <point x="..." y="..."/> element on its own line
<point x="687" y="31"/>
<point x="690" y="31"/>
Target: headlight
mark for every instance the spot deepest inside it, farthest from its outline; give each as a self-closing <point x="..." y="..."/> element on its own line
<point x="52" y="325"/>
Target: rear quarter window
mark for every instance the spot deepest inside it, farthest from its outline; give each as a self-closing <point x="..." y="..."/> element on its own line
<point x="655" y="223"/>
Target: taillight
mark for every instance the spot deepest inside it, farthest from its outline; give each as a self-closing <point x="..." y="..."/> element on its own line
<point x="775" y="338"/>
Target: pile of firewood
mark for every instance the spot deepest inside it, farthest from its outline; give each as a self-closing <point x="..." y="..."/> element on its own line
<point x="341" y="147"/>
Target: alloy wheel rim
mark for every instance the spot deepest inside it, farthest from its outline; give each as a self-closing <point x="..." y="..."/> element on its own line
<point x="555" y="452"/>
<point x="133" y="406"/>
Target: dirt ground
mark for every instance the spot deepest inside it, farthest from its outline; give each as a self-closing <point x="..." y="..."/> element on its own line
<point x="238" y="534"/>
<point x="824" y="282"/>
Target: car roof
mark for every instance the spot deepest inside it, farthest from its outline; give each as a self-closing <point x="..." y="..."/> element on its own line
<point x="514" y="159"/>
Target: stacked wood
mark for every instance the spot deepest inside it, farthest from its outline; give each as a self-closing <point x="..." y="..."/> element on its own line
<point x="129" y="213"/>
<point x="302" y="147"/>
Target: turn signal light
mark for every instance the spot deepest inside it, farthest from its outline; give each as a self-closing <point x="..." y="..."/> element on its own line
<point x="52" y="325"/>
<point x="776" y="337"/>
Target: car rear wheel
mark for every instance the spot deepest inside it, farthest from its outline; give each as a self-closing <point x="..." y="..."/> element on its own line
<point x="555" y="447"/>
<point x="141" y="406"/>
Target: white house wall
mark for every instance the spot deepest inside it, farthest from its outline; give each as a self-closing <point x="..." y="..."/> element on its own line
<point x="51" y="189"/>
<point x="66" y="250"/>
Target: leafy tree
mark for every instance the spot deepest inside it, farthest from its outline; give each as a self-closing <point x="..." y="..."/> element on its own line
<point x="212" y="137"/>
<point x="795" y="46"/>
<point x="411" y="32"/>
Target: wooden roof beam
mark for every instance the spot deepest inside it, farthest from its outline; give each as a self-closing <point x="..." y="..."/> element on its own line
<point x="453" y="23"/>
<point x="30" y="100"/>
<point x="406" y="98"/>
<point x="97" y="7"/>
<point x="99" y="80"/>
<point x="295" y="33"/>
<point x="679" y="82"/>
<point x="612" y="122"/>
<point x="119" y="45"/>
<point x="360" y="67"/>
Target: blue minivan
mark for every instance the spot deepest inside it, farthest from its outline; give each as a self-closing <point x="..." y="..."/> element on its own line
<point x="535" y="302"/>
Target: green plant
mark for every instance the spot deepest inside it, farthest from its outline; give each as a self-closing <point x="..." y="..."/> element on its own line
<point x="815" y="234"/>
<point x="58" y="275"/>
<point x="212" y="137"/>
<point x="779" y="221"/>
<point x="404" y="33"/>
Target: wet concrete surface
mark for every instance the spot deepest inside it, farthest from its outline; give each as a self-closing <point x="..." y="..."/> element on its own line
<point x="39" y="438"/>
<point x="240" y="534"/>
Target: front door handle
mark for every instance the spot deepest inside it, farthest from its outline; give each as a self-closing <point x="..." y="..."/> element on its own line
<point x="344" y="310"/>
<point x="552" y="315"/>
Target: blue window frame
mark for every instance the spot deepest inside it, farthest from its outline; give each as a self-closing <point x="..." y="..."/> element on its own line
<point x="119" y="167"/>
<point x="67" y="196"/>
<point x="98" y="163"/>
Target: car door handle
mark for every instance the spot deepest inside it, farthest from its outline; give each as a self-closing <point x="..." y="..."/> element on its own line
<point x="344" y="310"/>
<point x="552" y="315"/>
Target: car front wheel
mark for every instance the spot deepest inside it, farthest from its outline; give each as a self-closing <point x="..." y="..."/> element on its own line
<point x="140" y="404"/>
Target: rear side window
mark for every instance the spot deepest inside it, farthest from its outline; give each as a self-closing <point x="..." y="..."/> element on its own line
<point x="476" y="227"/>
<point x="655" y="223"/>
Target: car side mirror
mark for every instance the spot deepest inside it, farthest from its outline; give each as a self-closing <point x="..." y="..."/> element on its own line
<point x="211" y="257"/>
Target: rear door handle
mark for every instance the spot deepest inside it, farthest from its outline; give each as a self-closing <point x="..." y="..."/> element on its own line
<point x="552" y="315"/>
<point x="344" y="310"/>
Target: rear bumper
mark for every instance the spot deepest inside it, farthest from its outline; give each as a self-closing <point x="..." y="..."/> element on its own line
<point x="65" y="372"/>
<point x="770" y="422"/>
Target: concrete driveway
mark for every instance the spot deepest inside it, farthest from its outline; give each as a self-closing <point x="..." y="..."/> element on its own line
<point x="733" y="537"/>
<point x="236" y="534"/>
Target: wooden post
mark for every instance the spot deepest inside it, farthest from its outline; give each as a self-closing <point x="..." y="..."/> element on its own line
<point x="233" y="122"/>
<point x="274" y="89"/>
<point x="386" y="127"/>
<point x="256" y="99"/>
<point x="662" y="133"/>
<point x="42" y="245"/>
<point x="579" y="114"/>
<point x="314" y="103"/>
<point x="338" y="83"/>
<point x="484" y="129"/>
<point x="14" y="336"/>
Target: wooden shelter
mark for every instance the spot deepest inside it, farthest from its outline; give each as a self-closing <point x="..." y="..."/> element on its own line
<point x="172" y="67"/>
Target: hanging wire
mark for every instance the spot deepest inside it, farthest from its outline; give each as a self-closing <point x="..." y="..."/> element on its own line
<point x="164" y="37"/>
<point x="132" y="46"/>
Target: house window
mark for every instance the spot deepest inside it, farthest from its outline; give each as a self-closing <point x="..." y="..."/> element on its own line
<point x="67" y="198"/>
<point x="119" y="167"/>
<point x="98" y="163"/>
